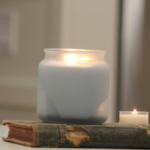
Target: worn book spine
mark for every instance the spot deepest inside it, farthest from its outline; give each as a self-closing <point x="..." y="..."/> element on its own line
<point x="94" y="136"/>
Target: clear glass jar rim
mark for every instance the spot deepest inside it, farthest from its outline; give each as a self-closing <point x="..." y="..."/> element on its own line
<point x="74" y="50"/>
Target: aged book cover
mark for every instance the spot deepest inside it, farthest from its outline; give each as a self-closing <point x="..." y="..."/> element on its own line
<point x="39" y="134"/>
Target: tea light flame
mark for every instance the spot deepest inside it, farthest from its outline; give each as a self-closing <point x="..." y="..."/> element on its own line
<point x="134" y="112"/>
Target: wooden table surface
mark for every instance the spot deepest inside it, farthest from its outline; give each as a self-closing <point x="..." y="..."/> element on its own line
<point x="12" y="146"/>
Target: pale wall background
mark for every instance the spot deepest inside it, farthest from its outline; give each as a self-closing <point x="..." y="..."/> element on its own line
<point x="91" y="24"/>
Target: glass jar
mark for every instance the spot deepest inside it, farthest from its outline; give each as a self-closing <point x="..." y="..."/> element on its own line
<point x="73" y="86"/>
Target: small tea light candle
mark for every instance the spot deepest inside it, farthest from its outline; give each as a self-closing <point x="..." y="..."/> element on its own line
<point x="134" y="117"/>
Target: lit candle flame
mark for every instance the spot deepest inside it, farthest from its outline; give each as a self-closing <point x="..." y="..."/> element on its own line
<point x="134" y="112"/>
<point x="71" y="49"/>
<point x="70" y="59"/>
<point x="73" y="59"/>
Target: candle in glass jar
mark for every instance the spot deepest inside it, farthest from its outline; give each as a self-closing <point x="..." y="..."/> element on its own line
<point x="134" y="117"/>
<point x="73" y="86"/>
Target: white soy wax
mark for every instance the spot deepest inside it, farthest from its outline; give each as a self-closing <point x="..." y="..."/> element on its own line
<point x="73" y="88"/>
<point x="134" y="117"/>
